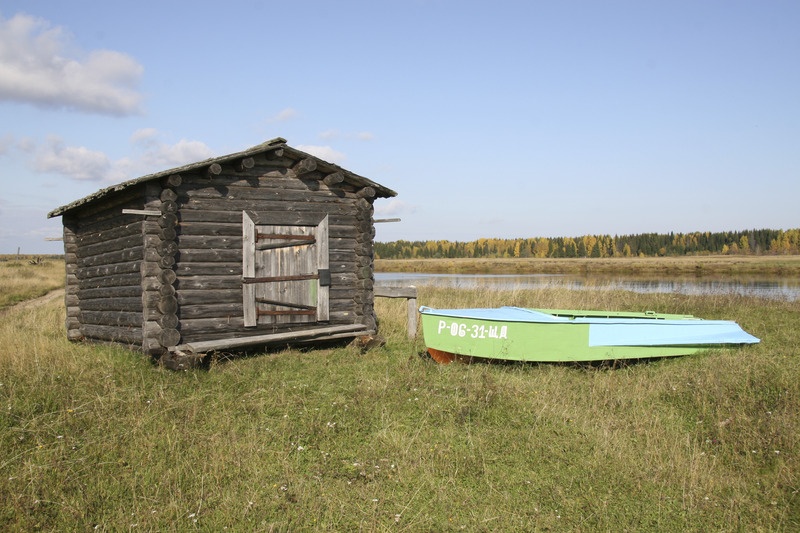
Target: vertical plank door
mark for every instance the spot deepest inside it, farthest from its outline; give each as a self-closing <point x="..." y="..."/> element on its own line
<point x="286" y="276"/>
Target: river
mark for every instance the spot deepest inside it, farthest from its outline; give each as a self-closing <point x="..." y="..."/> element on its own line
<point x="780" y="288"/>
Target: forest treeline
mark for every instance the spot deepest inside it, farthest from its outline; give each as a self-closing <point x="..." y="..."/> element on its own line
<point x="761" y="241"/>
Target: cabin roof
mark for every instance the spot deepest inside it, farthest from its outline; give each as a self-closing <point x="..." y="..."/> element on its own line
<point x="278" y="142"/>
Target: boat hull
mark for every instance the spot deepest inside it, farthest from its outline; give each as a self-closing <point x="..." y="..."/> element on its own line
<point x="516" y="334"/>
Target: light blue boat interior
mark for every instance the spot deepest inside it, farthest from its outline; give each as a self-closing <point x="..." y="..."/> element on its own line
<point x="619" y="331"/>
<point x="668" y="333"/>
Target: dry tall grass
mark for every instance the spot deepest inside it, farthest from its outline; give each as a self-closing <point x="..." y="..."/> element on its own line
<point x="98" y="438"/>
<point x="28" y="277"/>
<point x="696" y="265"/>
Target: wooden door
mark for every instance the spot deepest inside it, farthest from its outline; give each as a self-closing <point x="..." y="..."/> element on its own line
<point x="286" y="276"/>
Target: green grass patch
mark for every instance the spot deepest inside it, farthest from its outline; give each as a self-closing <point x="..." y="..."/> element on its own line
<point x="333" y="439"/>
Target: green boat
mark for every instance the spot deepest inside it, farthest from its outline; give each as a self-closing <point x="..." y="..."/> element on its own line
<point x="558" y="335"/>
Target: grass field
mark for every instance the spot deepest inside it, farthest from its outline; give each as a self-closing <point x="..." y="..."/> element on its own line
<point x="98" y="438"/>
<point x="26" y="277"/>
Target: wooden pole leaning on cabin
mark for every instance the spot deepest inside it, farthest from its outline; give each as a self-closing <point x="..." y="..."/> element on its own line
<point x="142" y="212"/>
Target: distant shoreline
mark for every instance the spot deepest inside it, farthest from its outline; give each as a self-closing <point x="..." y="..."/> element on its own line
<point x="27" y="257"/>
<point x="772" y="265"/>
<point x="707" y="265"/>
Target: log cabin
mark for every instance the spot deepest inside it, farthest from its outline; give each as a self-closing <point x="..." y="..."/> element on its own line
<point x="266" y="246"/>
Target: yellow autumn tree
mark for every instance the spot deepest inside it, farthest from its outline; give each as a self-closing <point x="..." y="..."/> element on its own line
<point x="542" y="247"/>
<point x="744" y="244"/>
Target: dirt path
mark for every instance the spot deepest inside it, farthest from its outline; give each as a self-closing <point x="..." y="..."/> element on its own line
<point x="28" y="304"/>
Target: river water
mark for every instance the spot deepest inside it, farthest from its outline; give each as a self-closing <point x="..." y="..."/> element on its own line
<point x="774" y="287"/>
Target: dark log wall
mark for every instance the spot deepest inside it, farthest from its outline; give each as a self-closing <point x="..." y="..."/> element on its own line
<point x="104" y="254"/>
<point x="171" y="272"/>
<point x="71" y="301"/>
<point x="160" y="306"/>
<point x="208" y="263"/>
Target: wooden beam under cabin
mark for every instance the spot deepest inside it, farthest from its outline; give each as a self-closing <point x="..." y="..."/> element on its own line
<point x="239" y="342"/>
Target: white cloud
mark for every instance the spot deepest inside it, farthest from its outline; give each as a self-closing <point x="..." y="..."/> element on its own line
<point x="163" y="156"/>
<point x="393" y="207"/>
<point x="150" y="155"/>
<point x="144" y="136"/>
<point x="156" y="155"/>
<point x="6" y="142"/>
<point x="329" y="135"/>
<point x="333" y="134"/>
<point x="36" y="68"/>
<point x="283" y="115"/>
<point x="9" y="142"/>
<point x="77" y="162"/>
<point x="325" y="153"/>
<point x="26" y="144"/>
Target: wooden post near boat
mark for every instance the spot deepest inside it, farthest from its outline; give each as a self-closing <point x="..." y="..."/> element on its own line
<point x="410" y="294"/>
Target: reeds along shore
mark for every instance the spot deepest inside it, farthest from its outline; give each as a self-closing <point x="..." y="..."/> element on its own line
<point x="777" y="265"/>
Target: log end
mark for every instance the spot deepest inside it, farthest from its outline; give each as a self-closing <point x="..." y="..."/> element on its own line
<point x="179" y="360"/>
<point x="366" y="343"/>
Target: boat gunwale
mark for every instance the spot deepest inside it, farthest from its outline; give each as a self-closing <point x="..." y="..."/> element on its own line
<point x="566" y="316"/>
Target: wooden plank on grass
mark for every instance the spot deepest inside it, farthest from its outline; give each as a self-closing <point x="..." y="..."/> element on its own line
<point x="288" y="336"/>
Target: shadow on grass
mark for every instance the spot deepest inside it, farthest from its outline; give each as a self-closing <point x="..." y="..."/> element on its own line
<point x="614" y="364"/>
<point x="208" y="360"/>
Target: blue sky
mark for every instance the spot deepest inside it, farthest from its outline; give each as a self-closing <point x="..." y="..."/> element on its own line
<point x="502" y="119"/>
